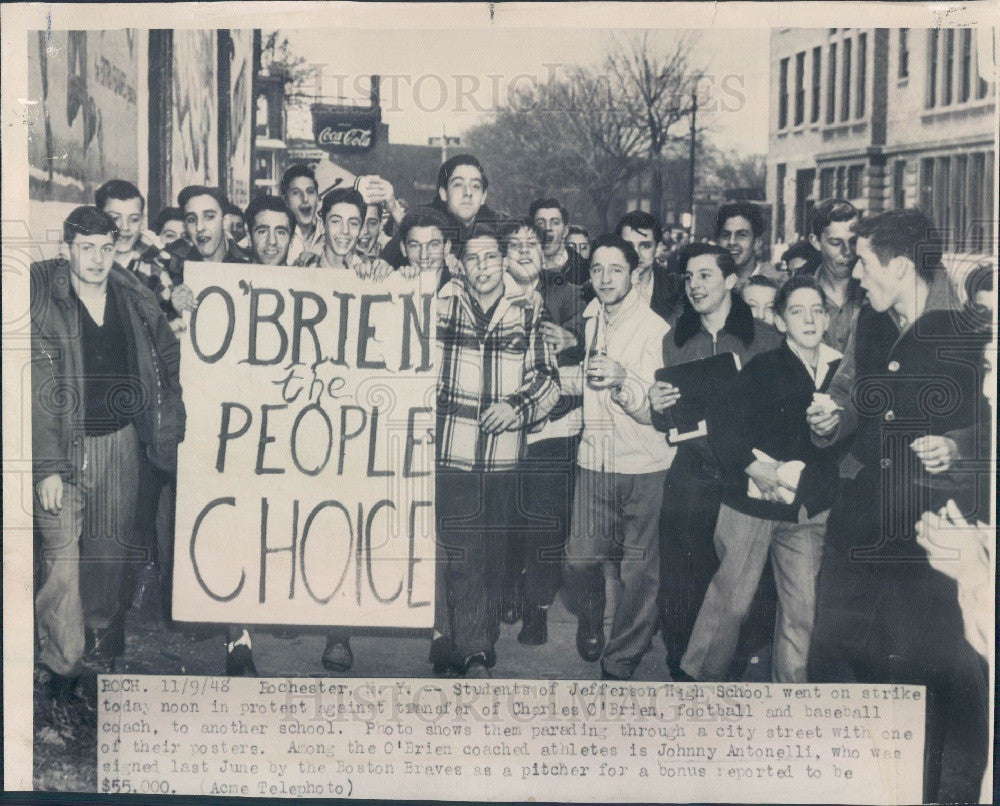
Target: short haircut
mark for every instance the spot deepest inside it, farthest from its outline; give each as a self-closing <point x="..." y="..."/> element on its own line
<point x="193" y="191"/>
<point x="616" y="241"/>
<point x="88" y="221"/>
<point x="548" y="203"/>
<point x="904" y="233"/>
<point x="828" y="211"/>
<point x="483" y="231"/>
<point x="639" y="219"/>
<point x="424" y="217"/>
<point x="574" y="229"/>
<point x="508" y="228"/>
<point x="343" y="196"/>
<point x="794" y="284"/>
<point x="274" y="204"/>
<point x="763" y="281"/>
<point x="741" y="208"/>
<point x="448" y="168"/>
<point x="117" y="189"/>
<point x="723" y="259"/>
<point x="294" y="172"/>
<point x="801" y="250"/>
<point x="979" y="279"/>
<point x="167" y="214"/>
<point x="231" y="209"/>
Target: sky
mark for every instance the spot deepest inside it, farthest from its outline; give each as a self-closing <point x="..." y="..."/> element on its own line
<point x="442" y="80"/>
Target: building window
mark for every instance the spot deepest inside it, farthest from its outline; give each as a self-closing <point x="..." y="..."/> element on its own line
<point x="899" y="184"/>
<point x="904" y="53"/>
<point x="855" y="177"/>
<point x="779" y="200"/>
<point x="838" y="190"/>
<point x="831" y="84"/>
<point x="826" y="178"/>
<point x="859" y="112"/>
<point x="800" y="88"/>
<point x="933" y="37"/>
<point x="949" y="67"/>
<point x="817" y="73"/>
<point x="965" y="65"/>
<point x="845" y="108"/>
<point x="783" y="94"/>
<point x="927" y="185"/>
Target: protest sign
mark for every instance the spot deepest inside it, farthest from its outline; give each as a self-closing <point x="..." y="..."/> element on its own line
<point x="305" y="481"/>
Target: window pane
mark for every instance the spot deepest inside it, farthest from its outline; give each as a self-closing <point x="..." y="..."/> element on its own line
<point x="904" y="52"/>
<point x="932" y="66"/>
<point x="862" y="75"/>
<point x="817" y="72"/>
<point x="949" y="66"/>
<point x="783" y="94"/>
<point x="965" y="66"/>
<point x="831" y="85"/>
<point x="845" y="109"/>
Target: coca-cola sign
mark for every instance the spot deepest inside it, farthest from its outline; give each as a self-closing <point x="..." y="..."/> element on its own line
<point x="345" y="130"/>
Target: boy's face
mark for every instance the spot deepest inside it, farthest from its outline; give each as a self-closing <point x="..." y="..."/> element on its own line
<point x="204" y="223"/>
<point x="303" y="200"/>
<point x="804" y="319"/>
<point x="465" y="192"/>
<point x="706" y="286"/>
<point x="760" y="298"/>
<point x="580" y="244"/>
<point x="270" y="237"/>
<point x="524" y="255"/>
<point x="343" y="227"/>
<point x="425" y="247"/>
<point x="172" y="230"/>
<point x="836" y="246"/>
<point x="482" y="265"/>
<point x="610" y="275"/>
<point x="737" y="236"/>
<point x="127" y="215"/>
<point x="643" y="243"/>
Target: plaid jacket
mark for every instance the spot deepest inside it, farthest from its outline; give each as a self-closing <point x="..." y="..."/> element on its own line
<point x="513" y="364"/>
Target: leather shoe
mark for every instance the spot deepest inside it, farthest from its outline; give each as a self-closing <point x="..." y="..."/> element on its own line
<point x="444" y="657"/>
<point x="590" y="639"/>
<point x="510" y="610"/>
<point x="534" y="631"/>
<point x="239" y="662"/>
<point x="477" y="666"/>
<point x="337" y="657"/>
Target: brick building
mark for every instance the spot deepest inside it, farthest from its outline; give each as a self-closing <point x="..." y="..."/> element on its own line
<point x="888" y="118"/>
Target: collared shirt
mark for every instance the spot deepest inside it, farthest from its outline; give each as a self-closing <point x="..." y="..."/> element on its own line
<point x="842" y="317"/>
<point x="826" y="356"/>
<point x="300" y="243"/>
<point x="509" y="362"/>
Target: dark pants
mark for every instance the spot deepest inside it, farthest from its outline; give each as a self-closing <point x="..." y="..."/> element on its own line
<point x="88" y="550"/>
<point x="687" y="555"/>
<point x="884" y="619"/>
<point x="535" y="544"/>
<point x="473" y="513"/>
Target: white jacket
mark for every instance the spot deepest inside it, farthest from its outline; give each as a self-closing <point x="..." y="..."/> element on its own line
<point x="617" y="433"/>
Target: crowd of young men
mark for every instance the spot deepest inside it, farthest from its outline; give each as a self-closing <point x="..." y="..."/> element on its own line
<point x="559" y="463"/>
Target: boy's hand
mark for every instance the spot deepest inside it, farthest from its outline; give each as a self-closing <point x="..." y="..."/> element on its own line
<point x="937" y="454"/>
<point x="498" y="417"/>
<point x="662" y="396"/>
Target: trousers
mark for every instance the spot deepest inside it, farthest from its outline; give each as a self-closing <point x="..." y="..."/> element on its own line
<point x="743" y="544"/>
<point x="615" y="518"/>
<point x="88" y="550"/>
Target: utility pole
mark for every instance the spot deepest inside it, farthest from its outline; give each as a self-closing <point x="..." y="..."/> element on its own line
<point x="694" y="116"/>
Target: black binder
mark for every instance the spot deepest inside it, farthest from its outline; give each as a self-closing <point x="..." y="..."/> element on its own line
<point x="698" y="381"/>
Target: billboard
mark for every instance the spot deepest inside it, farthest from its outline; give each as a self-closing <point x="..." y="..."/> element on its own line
<point x="241" y="118"/>
<point x="195" y="119"/>
<point x="83" y="114"/>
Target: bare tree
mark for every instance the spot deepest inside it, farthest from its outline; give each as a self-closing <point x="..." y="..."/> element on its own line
<point x="656" y="93"/>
